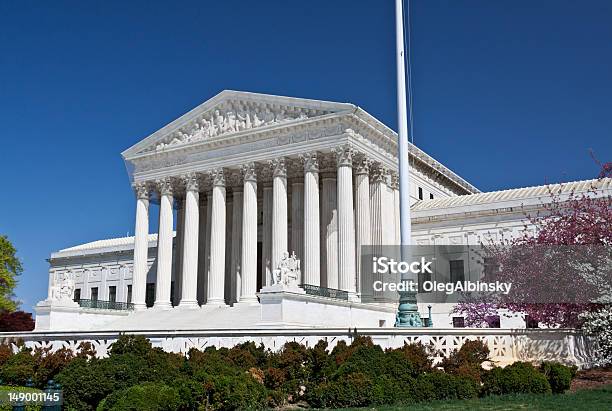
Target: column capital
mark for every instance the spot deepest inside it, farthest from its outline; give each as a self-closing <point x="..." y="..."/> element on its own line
<point x="191" y="181"/>
<point x="279" y="167"/>
<point x="218" y="177"/>
<point x="142" y="190"/>
<point x="394" y="180"/>
<point x="311" y="162"/>
<point x="249" y="172"/>
<point x="344" y="155"/>
<point x="379" y="173"/>
<point x="165" y="186"/>
<point x="362" y="164"/>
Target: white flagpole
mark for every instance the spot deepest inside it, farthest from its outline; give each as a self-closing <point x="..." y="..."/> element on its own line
<point x="407" y="311"/>
<point x="402" y="128"/>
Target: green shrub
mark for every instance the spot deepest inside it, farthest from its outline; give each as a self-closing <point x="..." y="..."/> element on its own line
<point x="131" y="344"/>
<point x="468" y="360"/>
<point x="19" y="368"/>
<point x="517" y="378"/>
<point x="144" y="397"/>
<point x="354" y="390"/>
<point x="419" y="355"/>
<point x="234" y="392"/>
<point x="559" y="376"/>
<point x="441" y="386"/>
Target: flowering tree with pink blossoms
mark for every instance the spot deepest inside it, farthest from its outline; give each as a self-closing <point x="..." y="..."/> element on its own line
<point x="558" y="272"/>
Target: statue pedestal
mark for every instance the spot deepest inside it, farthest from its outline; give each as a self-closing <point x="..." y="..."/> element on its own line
<point x="67" y="315"/>
<point x="288" y="306"/>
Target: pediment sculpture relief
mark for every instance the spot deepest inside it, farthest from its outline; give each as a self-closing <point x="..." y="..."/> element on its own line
<point x="232" y="118"/>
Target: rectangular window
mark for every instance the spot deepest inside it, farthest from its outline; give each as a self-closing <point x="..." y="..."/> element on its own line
<point x="77" y="295"/>
<point x="420" y="193"/>
<point x="94" y="294"/>
<point x="431" y="196"/>
<point x="129" y="294"/>
<point x="150" y="294"/>
<point x="112" y="293"/>
<point x="456" y="271"/>
<point x="530" y="322"/>
<point x="458" y="322"/>
<point x="493" y="321"/>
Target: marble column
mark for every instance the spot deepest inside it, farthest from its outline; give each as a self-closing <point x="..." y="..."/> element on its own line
<point x="363" y="236"/>
<point x="297" y="219"/>
<point x="141" y="247"/>
<point x="312" y="248"/>
<point x="177" y="256"/>
<point x="266" y="249"/>
<point x="203" y="248"/>
<point x="329" y="232"/>
<point x="279" y="210"/>
<point x="236" y="260"/>
<point x="346" y="221"/>
<point x="396" y="207"/>
<point x="248" y="288"/>
<point x="189" y="288"/>
<point x="216" y="278"/>
<point x="379" y="219"/>
<point x="164" y="245"/>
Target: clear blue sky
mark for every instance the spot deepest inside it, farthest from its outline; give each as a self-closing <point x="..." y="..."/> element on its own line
<point x="506" y="93"/>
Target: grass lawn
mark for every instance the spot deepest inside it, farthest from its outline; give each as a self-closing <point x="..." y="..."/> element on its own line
<point x="592" y="400"/>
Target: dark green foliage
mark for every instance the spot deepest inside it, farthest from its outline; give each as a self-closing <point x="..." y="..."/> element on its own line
<point x="441" y="386"/>
<point x="559" y="376"/>
<point x="131" y="344"/>
<point x="144" y="397"/>
<point x="234" y="392"/>
<point x="354" y="390"/>
<point x="18" y="368"/>
<point x="516" y="378"/>
<point x="136" y="376"/>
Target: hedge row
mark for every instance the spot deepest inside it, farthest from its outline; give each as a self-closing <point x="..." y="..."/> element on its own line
<point x="138" y="376"/>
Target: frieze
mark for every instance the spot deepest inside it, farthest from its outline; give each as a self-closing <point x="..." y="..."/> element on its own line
<point x="233" y="117"/>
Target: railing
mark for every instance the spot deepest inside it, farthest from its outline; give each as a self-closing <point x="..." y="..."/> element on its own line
<point x="325" y="292"/>
<point x="106" y="305"/>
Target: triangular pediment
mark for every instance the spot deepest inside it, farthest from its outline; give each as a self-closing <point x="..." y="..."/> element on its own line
<point x="232" y="112"/>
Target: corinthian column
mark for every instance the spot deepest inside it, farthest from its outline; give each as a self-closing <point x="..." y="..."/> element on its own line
<point x="346" y="220"/>
<point x="396" y="207"/>
<point x="329" y="231"/>
<point x="189" y="287"/>
<point x="312" y="248"/>
<point x="216" y="280"/>
<point x="279" y="210"/>
<point x="248" y="288"/>
<point x="164" y="245"/>
<point x="141" y="247"/>
<point x="363" y="234"/>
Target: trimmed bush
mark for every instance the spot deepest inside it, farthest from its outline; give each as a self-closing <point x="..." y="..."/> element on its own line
<point x="144" y="397"/>
<point x="354" y="390"/>
<point x="517" y="378"/>
<point x="441" y="386"/>
<point x="559" y="376"/>
<point x="468" y="360"/>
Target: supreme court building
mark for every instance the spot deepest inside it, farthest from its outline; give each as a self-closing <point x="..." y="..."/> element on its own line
<point x="245" y="178"/>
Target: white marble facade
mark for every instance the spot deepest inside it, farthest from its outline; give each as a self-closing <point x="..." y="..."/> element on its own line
<point x="245" y="177"/>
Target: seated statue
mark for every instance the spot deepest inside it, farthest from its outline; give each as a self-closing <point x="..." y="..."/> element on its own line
<point x="288" y="271"/>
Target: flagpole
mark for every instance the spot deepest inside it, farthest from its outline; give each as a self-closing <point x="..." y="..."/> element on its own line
<point x="407" y="312"/>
